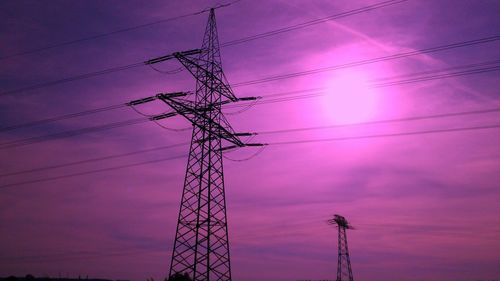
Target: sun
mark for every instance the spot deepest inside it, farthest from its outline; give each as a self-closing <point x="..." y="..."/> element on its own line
<point x="349" y="98"/>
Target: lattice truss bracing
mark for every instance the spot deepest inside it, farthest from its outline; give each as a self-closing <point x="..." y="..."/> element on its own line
<point x="201" y="246"/>
<point x="344" y="270"/>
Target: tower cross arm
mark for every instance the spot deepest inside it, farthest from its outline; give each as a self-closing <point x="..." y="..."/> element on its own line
<point x="155" y="97"/>
<point x="172" y="56"/>
<point x="198" y="117"/>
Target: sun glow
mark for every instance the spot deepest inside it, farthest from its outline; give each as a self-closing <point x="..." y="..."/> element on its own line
<point x="349" y="98"/>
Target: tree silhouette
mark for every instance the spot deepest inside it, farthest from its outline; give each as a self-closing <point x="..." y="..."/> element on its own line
<point x="179" y="277"/>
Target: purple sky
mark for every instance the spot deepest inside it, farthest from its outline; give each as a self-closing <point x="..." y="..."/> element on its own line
<point x="425" y="206"/>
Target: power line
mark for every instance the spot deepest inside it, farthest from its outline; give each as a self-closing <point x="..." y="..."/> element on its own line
<point x="255" y="154"/>
<point x="312" y="22"/>
<point x="352" y="64"/>
<point x="62" y="117"/>
<point x="111" y="107"/>
<point x="421" y="73"/>
<point x="120" y="124"/>
<point x="369" y="61"/>
<point x="388" y="135"/>
<point x="403" y="119"/>
<point x="394" y="120"/>
<point x="406" y="81"/>
<point x="32" y="140"/>
<point x="440" y="76"/>
<point x="67" y="134"/>
<point x="73" y="78"/>
<point x="133" y="65"/>
<point x="91" y="160"/>
<point x="94" y="171"/>
<point x="102" y="35"/>
<point x="460" y="129"/>
<point x="385" y="121"/>
<point x="229" y="43"/>
<point x="380" y="84"/>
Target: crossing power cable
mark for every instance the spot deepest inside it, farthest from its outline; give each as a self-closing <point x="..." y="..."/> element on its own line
<point x="122" y="30"/>
<point x="439" y="76"/>
<point x="72" y="78"/>
<point x="107" y="108"/>
<point x="426" y="72"/>
<point x="229" y="43"/>
<point x="368" y="61"/>
<point x="96" y="159"/>
<point x="117" y="106"/>
<point x="137" y="64"/>
<point x="291" y="142"/>
<point x="264" y="80"/>
<point x="95" y="171"/>
<point x="352" y="64"/>
<point x="383" y="121"/>
<point x="65" y="134"/>
<point x="62" y="117"/>
<point x="312" y="22"/>
<point x="255" y="154"/>
<point x="425" y="132"/>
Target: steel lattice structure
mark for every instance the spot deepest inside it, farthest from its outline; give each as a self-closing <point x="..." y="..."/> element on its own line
<point x="344" y="270"/>
<point x="201" y="246"/>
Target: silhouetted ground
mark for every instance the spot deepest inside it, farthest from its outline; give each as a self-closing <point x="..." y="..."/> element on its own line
<point x="30" y="277"/>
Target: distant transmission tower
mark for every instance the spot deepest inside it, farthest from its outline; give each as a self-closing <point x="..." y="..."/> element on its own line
<point x="344" y="271"/>
<point x="201" y="246"/>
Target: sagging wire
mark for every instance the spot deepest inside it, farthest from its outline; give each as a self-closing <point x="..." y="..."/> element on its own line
<point x="154" y="117"/>
<point x="173" y="71"/>
<point x="158" y="123"/>
<point x="245" y="108"/>
<point x="259" y="151"/>
<point x="140" y="113"/>
<point x="250" y="138"/>
<point x="171" y="129"/>
<point x="247" y="140"/>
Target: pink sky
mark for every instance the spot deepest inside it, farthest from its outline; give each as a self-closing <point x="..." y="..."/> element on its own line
<point x="425" y="206"/>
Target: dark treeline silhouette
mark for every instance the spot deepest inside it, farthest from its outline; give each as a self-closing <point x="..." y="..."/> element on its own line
<point x="30" y="277"/>
<point x="179" y="277"/>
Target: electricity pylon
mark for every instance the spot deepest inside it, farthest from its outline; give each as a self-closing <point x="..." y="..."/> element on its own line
<point x="344" y="271"/>
<point x="201" y="246"/>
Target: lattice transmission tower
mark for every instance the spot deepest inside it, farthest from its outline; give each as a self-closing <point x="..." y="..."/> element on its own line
<point x="201" y="246"/>
<point x="344" y="270"/>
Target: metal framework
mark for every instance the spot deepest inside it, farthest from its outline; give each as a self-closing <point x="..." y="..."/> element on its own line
<point x="201" y="246"/>
<point x="344" y="271"/>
